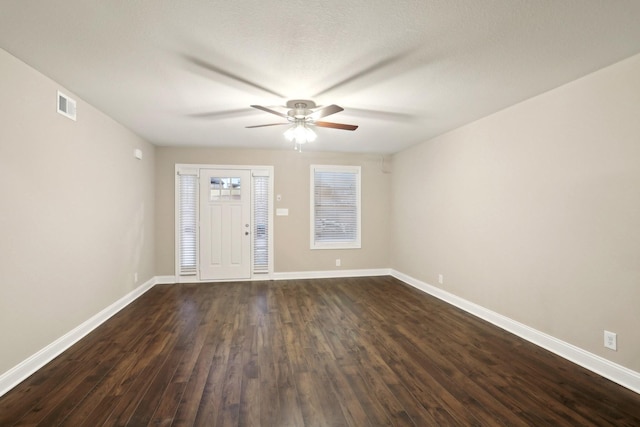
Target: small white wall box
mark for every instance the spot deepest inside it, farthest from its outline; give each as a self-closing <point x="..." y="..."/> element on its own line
<point x="137" y="153"/>
<point x="66" y="106"/>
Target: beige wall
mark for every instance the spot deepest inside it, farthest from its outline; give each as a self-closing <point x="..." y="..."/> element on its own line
<point x="534" y="212"/>
<point x="77" y="213"/>
<point x="291" y="181"/>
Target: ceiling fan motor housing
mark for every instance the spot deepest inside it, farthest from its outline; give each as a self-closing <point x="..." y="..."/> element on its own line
<point x="299" y="109"/>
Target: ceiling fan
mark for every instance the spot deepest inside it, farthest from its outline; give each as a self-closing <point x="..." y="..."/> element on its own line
<point x="302" y="114"/>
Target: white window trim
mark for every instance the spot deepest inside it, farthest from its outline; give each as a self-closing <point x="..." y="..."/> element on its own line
<point x="357" y="244"/>
<point x="195" y="168"/>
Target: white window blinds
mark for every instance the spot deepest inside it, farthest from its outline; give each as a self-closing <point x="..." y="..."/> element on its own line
<point x="187" y="224"/>
<point x="335" y="207"/>
<point x="260" y="223"/>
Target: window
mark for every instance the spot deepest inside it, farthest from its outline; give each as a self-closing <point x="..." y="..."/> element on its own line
<point x="187" y="233"/>
<point x="335" y="207"/>
<point x="224" y="189"/>
<point x="261" y="230"/>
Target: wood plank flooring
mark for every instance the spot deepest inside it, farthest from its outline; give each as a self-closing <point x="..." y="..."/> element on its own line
<point x="329" y="352"/>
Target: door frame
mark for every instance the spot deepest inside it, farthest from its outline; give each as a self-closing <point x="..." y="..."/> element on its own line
<point x="255" y="170"/>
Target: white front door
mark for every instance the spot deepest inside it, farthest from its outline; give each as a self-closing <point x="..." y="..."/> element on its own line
<point x="225" y="209"/>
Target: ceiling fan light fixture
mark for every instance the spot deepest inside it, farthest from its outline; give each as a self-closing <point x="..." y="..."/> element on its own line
<point x="289" y="134"/>
<point x="310" y="135"/>
<point x="300" y="133"/>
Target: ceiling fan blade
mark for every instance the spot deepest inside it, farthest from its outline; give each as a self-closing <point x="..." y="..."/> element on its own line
<point x="336" y="125"/>
<point x="382" y="64"/>
<point x="222" y="114"/>
<point x="270" y="124"/>
<point x="325" y="111"/>
<point x="382" y="115"/>
<point x="223" y="72"/>
<point x="269" y="110"/>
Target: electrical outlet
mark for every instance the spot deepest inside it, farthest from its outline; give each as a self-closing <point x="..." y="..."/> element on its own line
<point x="135" y="277"/>
<point x="440" y="278"/>
<point x="338" y="262"/>
<point x="611" y="340"/>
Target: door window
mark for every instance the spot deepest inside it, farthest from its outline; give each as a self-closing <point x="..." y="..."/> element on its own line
<point x="221" y="189"/>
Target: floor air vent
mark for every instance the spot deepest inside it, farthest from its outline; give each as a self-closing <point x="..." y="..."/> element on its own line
<point x="66" y="106"/>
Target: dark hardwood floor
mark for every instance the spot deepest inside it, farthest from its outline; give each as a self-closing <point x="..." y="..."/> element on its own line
<point x="330" y="352"/>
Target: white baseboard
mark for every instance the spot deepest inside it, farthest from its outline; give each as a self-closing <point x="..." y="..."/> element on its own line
<point x="330" y="274"/>
<point x="601" y="366"/>
<point x="20" y="372"/>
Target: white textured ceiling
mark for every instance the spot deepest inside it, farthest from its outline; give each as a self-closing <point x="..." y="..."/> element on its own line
<point x="183" y="73"/>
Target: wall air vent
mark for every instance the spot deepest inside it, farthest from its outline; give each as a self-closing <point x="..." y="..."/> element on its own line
<point x="66" y="106"/>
